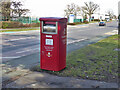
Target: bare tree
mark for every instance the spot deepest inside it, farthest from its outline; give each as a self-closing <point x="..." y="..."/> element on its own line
<point x="5" y="10"/>
<point x="12" y="9"/>
<point x="83" y="14"/>
<point x="72" y="9"/>
<point x="17" y="10"/>
<point x="110" y="13"/>
<point x="90" y="8"/>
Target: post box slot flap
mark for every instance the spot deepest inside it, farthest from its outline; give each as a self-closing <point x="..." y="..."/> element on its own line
<point x="49" y="28"/>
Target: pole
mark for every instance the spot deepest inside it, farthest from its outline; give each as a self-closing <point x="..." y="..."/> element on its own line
<point x="119" y="24"/>
<point x="119" y="17"/>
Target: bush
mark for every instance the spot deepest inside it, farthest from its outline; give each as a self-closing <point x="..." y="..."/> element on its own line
<point x="71" y="23"/>
<point x="31" y="25"/>
<point x="85" y="21"/>
<point x="11" y="24"/>
<point x="35" y="25"/>
<point x="97" y="20"/>
<point x="26" y="25"/>
<point x="4" y="25"/>
<point x="78" y="22"/>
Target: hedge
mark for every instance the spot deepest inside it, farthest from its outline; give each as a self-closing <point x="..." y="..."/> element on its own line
<point x="15" y="24"/>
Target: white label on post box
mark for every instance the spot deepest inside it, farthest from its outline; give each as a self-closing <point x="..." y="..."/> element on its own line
<point x="49" y="41"/>
<point x="49" y="36"/>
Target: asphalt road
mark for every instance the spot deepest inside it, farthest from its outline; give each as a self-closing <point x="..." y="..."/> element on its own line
<point x="21" y="44"/>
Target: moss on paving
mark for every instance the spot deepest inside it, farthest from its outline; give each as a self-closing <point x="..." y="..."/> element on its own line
<point x="97" y="61"/>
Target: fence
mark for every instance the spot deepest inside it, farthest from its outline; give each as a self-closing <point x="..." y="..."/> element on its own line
<point x="24" y="20"/>
<point x="78" y="20"/>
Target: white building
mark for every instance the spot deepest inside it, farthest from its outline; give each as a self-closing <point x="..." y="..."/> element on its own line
<point x="100" y="16"/>
<point x="79" y="17"/>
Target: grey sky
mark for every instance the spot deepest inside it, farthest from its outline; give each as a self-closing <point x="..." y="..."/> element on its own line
<point x="43" y="8"/>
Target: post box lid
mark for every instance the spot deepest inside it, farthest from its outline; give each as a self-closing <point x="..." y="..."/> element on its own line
<point x="58" y="19"/>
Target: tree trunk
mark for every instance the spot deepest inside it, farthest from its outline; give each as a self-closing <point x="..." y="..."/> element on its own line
<point x="119" y="24"/>
<point x="89" y="18"/>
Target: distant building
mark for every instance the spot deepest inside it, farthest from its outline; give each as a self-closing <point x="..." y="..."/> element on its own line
<point x="100" y="16"/>
<point x="80" y="18"/>
<point x="96" y="16"/>
<point x="107" y="16"/>
<point x="71" y="18"/>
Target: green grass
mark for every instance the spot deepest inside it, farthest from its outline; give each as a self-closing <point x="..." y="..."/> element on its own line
<point x="97" y="61"/>
<point x="15" y="30"/>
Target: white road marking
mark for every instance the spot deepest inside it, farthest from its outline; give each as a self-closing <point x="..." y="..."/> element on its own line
<point x="81" y="30"/>
<point x="27" y="50"/>
<point x="81" y="26"/>
<point x="70" y="26"/>
<point x="112" y="32"/>
<point x="91" y="23"/>
<point x="76" y="41"/>
<point x="115" y="30"/>
<point x="20" y="32"/>
<point x="101" y="27"/>
<point x="94" y="23"/>
<point x="77" y="26"/>
<point x="20" y="39"/>
<point x="84" y="26"/>
<point x="11" y="57"/>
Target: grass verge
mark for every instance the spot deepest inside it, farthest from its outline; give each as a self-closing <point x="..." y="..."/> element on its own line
<point x="15" y="30"/>
<point x="97" y="61"/>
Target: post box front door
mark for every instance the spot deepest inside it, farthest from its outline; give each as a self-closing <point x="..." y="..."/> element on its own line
<point x="49" y="41"/>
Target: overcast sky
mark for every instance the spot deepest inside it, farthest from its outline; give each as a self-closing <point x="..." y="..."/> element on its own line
<point x="55" y="8"/>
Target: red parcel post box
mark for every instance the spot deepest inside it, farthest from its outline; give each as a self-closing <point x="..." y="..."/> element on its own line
<point x="53" y="43"/>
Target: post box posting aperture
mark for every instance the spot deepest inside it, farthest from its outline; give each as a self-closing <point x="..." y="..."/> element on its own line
<point x="53" y="43"/>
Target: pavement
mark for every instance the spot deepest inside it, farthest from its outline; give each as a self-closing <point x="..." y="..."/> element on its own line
<point x="24" y="78"/>
<point x="45" y="80"/>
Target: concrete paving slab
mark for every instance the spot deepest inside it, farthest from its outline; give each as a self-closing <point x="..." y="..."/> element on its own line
<point x="44" y="80"/>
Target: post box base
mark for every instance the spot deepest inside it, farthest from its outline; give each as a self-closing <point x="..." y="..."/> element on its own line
<point x="52" y="69"/>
